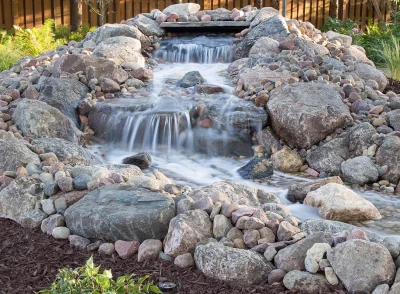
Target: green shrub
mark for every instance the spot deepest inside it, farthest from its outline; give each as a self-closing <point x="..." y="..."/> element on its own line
<point x="390" y="54"/>
<point x="345" y="27"/>
<point x="87" y="279"/>
<point x="80" y="34"/>
<point x="9" y="56"/>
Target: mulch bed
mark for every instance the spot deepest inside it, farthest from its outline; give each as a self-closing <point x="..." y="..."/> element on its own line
<point x="30" y="260"/>
<point x="393" y="86"/>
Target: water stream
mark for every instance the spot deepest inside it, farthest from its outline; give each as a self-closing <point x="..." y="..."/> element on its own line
<point x="164" y="121"/>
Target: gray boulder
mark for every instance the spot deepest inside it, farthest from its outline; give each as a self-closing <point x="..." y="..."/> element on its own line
<point x="117" y="30"/>
<point x="273" y="27"/>
<point x="147" y="26"/>
<point x="297" y="192"/>
<point x="63" y="94"/>
<point x="389" y="154"/>
<point x="368" y="72"/>
<point x="332" y="227"/>
<point x="37" y="119"/>
<point x="19" y="198"/>
<point x="191" y="79"/>
<point x="125" y="170"/>
<point x="359" y="170"/>
<point x="264" y="14"/>
<point x="394" y="119"/>
<point x="265" y="45"/>
<point x="292" y="257"/>
<point x="67" y="152"/>
<point x="120" y="212"/>
<point x="219" y="14"/>
<point x="308" y="46"/>
<point x="120" y="50"/>
<point x="329" y="157"/>
<point x="268" y="140"/>
<point x="14" y="154"/>
<point x="234" y="266"/>
<point x="231" y="192"/>
<point x="186" y="230"/>
<point x="182" y="9"/>
<point x="257" y="168"/>
<point x="94" y="67"/>
<point x="360" y="138"/>
<point x="361" y="265"/>
<point x="305" y="113"/>
<point x="304" y="282"/>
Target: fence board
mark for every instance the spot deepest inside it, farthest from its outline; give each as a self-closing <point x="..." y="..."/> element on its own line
<point x="38" y="21"/>
<point x="2" y="22"/>
<point x="66" y="12"/>
<point x="314" y="12"/>
<point x="85" y="14"/>
<point x="8" y="19"/>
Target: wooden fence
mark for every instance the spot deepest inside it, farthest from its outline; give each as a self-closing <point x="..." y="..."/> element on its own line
<point x="32" y="13"/>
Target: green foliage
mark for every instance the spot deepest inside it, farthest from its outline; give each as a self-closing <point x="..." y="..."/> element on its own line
<point x="80" y="34"/>
<point x="390" y="54"/>
<point x="87" y="279"/>
<point x="345" y="27"/>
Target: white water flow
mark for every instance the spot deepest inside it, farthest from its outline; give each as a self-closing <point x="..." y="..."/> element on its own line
<point x="165" y="128"/>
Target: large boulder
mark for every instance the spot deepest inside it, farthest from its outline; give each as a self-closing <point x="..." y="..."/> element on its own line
<point x="117" y="30"/>
<point x="121" y="212"/>
<point x="14" y="154"/>
<point x="147" y="26"/>
<point x="361" y="265"/>
<point x="304" y="282"/>
<point x="37" y="119"/>
<point x="234" y="266"/>
<point x="231" y="192"/>
<point x="93" y="67"/>
<point x="329" y="157"/>
<point x="67" y="152"/>
<point x="264" y="14"/>
<point x="297" y="192"/>
<point x="332" y="227"/>
<point x="368" y="72"/>
<point x="273" y="27"/>
<point x="389" y="154"/>
<point x="292" y="257"/>
<point x="182" y="9"/>
<point x="186" y="230"/>
<point x="305" y="113"/>
<point x="63" y="94"/>
<point x="120" y="50"/>
<point x="19" y="197"/>
<point x="337" y="202"/>
<point x="359" y="170"/>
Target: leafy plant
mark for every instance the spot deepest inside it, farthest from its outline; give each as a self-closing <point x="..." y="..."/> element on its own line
<point x="345" y="27"/>
<point x="390" y="54"/>
<point x="87" y="279"/>
<point x="81" y="33"/>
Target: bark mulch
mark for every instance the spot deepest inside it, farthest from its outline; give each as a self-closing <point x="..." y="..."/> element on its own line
<point x="393" y="86"/>
<point x="30" y="260"/>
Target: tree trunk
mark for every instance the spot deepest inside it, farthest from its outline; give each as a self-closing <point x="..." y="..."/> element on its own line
<point x="76" y="15"/>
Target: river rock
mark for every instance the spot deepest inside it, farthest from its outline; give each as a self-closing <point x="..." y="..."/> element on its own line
<point x="304" y="282"/>
<point x="257" y="168"/>
<point x="232" y="265"/>
<point x="360" y="138"/>
<point x="292" y="257"/>
<point x="208" y="89"/>
<point x="305" y="113"/>
<point x="367" y="72"/>
<point x="361" y="265"/>
<point x="37" y="119"/>
<point x="184" y="260"/>
<point x="14" y="154"/>
<point x="389" y="154"/>
<point x="117" y="30"/>
<point x="120" y="50"/>
<point x="185" y="231"/>
<point x="359" y="170"/>
<point x="183" y="9"/>
<point x="337" y="202"/>
<point x="329" y="157"/>
<point x="252" y="78"/>
<point x="191" y="79"/>
<point x="63" y="94"/>
<point x="268" y="140"/>
<point x="19" y="197"/>
<point x="287" y="160"/>
<point x="67" y="152"/>
<point x="149" y="249"/>
<point x="141" y="160"/>
<point x="265" y="45"/>
<point x="231" y="192"/>
<point x="273" y="27"/>
<point x="120" y="212"/>
<point x="221" y="226"/>
<point x="344" y="39"/>
<point x="148" y="26"/>
<point x="297" y="192"/>
<point x="126" y="249"/>
<point x="94" y="67"/>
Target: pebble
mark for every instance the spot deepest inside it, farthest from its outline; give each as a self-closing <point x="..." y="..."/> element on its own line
<point x="48" y="206"/>
<point x="78" y="241"/>
<point x="106" y="248"/>
<point x="311" y="264"/>
<point x="66" y="184"/>
<point x="276" y="276"/>
<point x="184" y="260"/>
<point x="318" y="250"/>
<point x="149" y="249"/>
<point x="270" y="253"/>
<point x="331" y="276"/>
<point x="286" y="231"/>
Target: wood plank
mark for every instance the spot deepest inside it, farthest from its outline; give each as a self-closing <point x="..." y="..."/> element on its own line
<point x="383" y="10"/>
<point x="14" y="13"/>
<point x="327" y="5"/>
<point x="160" y="5"/>
<point x="307" y="12"/>
<point x="128" y="9"/>
<point x="370" y="11"/>
<point x="295" y="7"/>
<point x="46" y="9"/>
<point x="66" y="13"/>
<point x="145" y="6"/>
<point x="237" y="4"/>
<point x="152" y="5"/>
<point x="136" y="7"/>
<point x="85" y="14"/>
<point x="321" y="10"/>
<point x="301" y="10"/>
<point x="57" y="12"/>
<point x="345" y="9"/>
<point x="314" y="12"/>
<point x="215" y="4"/>
<point x="352" y="9"/>
<point x="377" y="11"/>
<point x="21" y="13"/>
<point x="364" y="7"/>
<point x="8" y="17"/>
<point x="222" y="4"/>
<point x="38" y="21"/>
<point x="230" y="4"/>
<point x="93" y="20"/>
<point x="358" y="11"/>
<point x="122" y="12"/>
<point x="2" y="21"/>
<point x="29" y="21"/>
